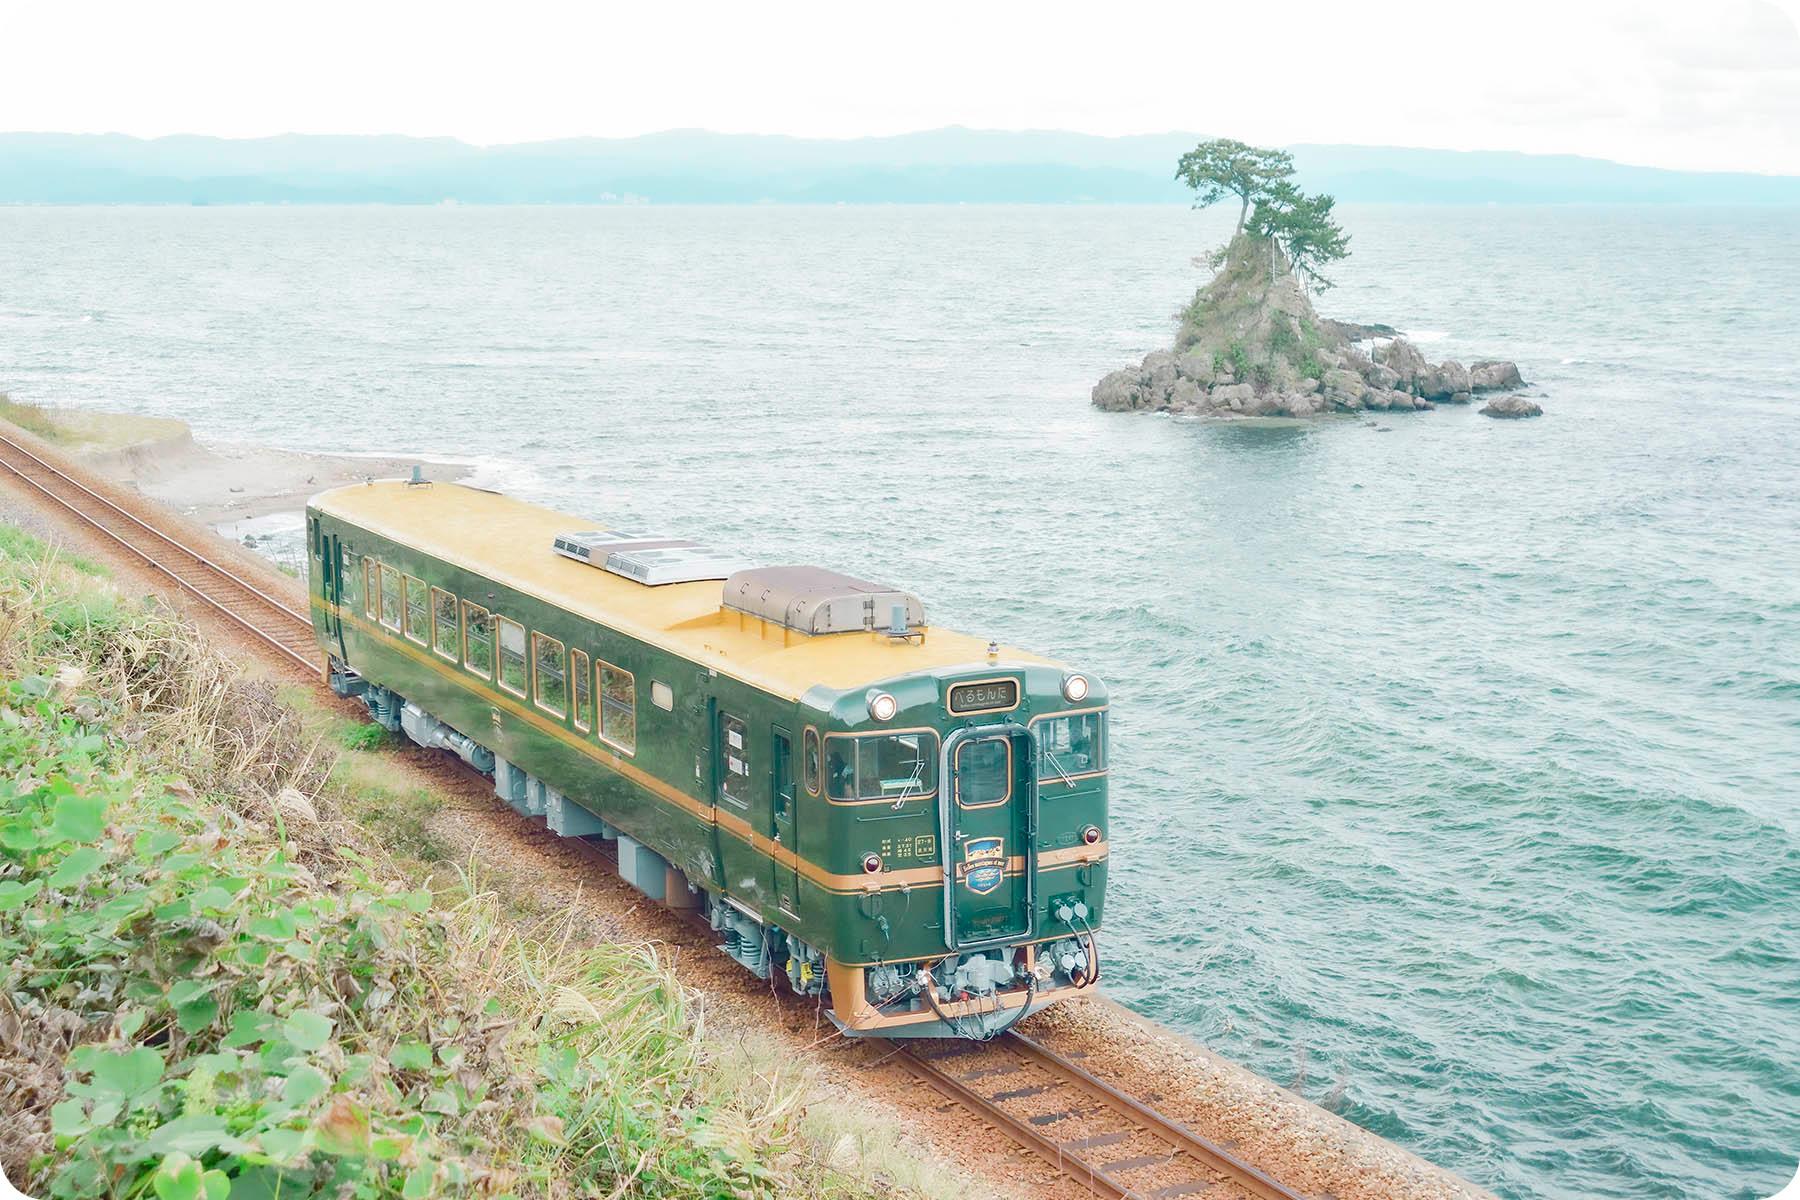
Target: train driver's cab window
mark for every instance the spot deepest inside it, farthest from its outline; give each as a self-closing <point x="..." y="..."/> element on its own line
<point x="584" y="690"/>
<point x="735" y="778"/>
<point x="891" y="766"/>
<point x="418" y="610"/>
<point x="390" y="597"/>
<point x="984" y="772"/>
<point x="512" y="655"/>
<point x="1070" y="746"/>
<point x="478" y="640"/>
<point x="551" y="673"/>
<point x="618" y="707"/>
<point x="811" y="764"/>
<point x="445" y="631"/>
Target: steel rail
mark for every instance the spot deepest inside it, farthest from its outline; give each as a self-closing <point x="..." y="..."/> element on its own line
<point x="88" y="503"/>
<point x="1066" y="1156"/>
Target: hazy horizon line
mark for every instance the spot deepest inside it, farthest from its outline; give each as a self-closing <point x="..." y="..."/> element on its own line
<point x="874" y="137"/>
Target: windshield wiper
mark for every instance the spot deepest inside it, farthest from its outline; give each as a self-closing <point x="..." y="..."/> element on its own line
<point x="1057" y="767"/>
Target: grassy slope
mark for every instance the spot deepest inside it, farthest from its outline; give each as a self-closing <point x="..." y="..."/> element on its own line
<point x="218" y="983"/>
<point x="85" y="432"/>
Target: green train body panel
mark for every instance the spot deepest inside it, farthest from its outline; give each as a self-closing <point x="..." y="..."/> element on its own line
<point x="668" y="792"/>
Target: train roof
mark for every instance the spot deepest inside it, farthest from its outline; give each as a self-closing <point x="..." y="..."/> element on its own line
<point x="522" y="546"/>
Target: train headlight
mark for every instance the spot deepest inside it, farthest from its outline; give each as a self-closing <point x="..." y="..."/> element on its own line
<point x="871" y="863"/>
<point x="1075" y="688"/>
<point x="1091" y="834"/>
<point x="883" y="706"/>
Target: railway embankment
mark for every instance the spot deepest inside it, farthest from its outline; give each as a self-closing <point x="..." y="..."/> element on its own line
<point x="223" y="972"/>
<point x="158" y="457"/>
<point x="774" y="1077"/>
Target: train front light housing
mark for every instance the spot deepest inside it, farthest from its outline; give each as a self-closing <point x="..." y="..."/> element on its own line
<point x="883" y="706"/>
<point x="1075" y="688"/>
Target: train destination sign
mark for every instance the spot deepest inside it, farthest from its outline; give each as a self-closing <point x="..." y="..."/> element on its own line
<point x="984" y="697"/>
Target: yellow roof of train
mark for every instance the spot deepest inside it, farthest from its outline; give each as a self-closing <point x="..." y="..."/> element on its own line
<point x="509" y="540"/>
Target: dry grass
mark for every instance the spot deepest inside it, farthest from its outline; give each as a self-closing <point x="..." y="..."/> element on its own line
<point x="494" y="1051"/>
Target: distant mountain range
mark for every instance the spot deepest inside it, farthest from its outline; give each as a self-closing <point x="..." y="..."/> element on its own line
<point x="953" y="165"/>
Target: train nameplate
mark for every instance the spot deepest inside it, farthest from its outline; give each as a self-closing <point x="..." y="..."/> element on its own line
<point x="985" y="696"/>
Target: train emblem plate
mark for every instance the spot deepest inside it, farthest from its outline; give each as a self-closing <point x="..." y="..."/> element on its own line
<point x="984" y="864"/>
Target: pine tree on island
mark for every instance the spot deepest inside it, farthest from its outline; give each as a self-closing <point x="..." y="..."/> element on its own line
<point x="1250" y="344"/>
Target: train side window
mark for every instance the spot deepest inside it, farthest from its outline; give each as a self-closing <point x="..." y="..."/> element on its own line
<point x="582" y="677"/>
<point x="618" y="707"/>
<point x="662" y="695"/>
<point x="890" y="766"/>
<point x="444" y="628"/>
<point x="371" y="588"/>
<point x="811" y="764"/>
<point x="478" y="640"/>
<point x="390" y="597"/>
<point x="1070" y="746"/>
<point x="418" y="610"/>
<point x="512" y="655"/>
<point x="734" y="781"/>
<point x="984" y="772"/>
<point x="550" y="671"/>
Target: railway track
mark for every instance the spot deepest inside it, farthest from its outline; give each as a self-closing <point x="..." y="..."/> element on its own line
<point x="282" y="627"/>
<point x="1091" y="1132"/>
<point x="1095" y="1134"/>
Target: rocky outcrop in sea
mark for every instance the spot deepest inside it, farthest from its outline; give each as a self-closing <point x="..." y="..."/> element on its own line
<point x="1250" y="345"/>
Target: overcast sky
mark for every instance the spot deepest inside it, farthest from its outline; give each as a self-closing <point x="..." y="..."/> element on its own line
<point x="1708" y="85"/>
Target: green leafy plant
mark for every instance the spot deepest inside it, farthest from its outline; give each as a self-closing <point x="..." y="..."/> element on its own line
<point x="245" y="997"/>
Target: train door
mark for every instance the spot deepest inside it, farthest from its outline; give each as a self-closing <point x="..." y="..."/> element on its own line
<point x="782" y="824"/>
<point x="989" y="813"/>
<point x="336" y="566"/>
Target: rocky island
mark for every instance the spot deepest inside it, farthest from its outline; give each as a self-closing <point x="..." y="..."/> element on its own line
<point x="1250" y="344"/>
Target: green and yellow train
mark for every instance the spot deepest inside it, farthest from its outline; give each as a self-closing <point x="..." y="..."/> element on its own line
<point x="907" y="820"/>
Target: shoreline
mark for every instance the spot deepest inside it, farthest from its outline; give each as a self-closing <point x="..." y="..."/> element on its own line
<point x="1278" y="1129"/>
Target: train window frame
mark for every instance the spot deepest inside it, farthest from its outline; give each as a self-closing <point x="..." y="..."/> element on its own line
<point x="415" y="586"/>
<point x="956" y="772"/>
<point x="445" y="637"/>
<point x="928" y="755"/>
<point x="484" y="623"/>
<point x="371" y="588"/>
<point x="395" y="576"/>
<point x="581" y="675"/>
<point x="812" y="761"/>
<point x="614" y="705"/>
<point x="501" y="627"/>
<point x="735" y="760"/>
<point x="1102" y="723"/>
<point x="560" y="658"/>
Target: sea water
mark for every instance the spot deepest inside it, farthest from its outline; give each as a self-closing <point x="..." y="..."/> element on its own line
<point x="1456" y="761"/>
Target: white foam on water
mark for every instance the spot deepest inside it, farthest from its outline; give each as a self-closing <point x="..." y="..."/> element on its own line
<point x="1419" y="337"/>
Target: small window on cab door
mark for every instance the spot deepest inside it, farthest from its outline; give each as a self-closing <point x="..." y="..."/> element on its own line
<point x="811" y="764"/>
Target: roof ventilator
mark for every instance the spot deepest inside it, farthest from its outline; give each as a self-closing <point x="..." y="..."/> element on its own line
<point x="646" y="559"/>
<point x="812" y="600"/>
